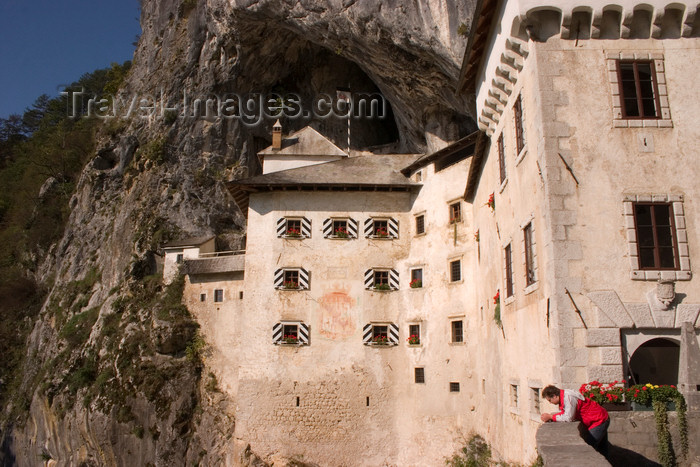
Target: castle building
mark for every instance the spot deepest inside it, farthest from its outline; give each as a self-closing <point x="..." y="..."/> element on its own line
<point x="389" y="304"/>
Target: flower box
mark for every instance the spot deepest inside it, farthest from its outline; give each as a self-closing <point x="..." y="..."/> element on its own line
<point x="617" y="407"/>
<point x="416" y="284"/>
<point x="382" y="287"/>
<point x="413" y="340"/>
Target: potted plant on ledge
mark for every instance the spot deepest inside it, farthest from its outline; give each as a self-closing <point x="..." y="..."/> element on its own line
<point x="380" y="339"/>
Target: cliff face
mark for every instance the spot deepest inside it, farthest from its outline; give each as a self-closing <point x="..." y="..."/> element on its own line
<point x="114" y="372"/>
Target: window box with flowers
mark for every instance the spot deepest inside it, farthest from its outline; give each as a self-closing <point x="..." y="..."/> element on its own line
<point x="343" y="229"/>
<point x="660" y="398"/>
<point x="413" y="339"/>
<point x="290" y="333"/>
<point x="416" y="284"/>
<point x="294" y="228"/>
<point x="291" y="279"/>
<point x="380" y="334"/>
<point x="382" y="280"/>
<point x="383" y="229"/>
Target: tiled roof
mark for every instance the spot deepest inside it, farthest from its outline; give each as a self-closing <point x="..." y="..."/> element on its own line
<point x="305" y="142"/>
<point x="231" y="263"/>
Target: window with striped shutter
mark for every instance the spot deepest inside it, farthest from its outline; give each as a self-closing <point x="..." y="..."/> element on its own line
<point x="380" y="334"/>
<point x="386" y="228"/>
<point x="381" y="279"/>
<point x="290" y="333"/>
<point x="339" y="228"/>
<point x="294" y="227"/>
<point x="292" y="279"/>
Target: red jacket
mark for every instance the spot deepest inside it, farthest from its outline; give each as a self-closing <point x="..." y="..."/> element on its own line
<point x="574" y="406"/>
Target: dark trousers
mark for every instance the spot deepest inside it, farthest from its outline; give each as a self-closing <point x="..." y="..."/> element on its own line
<point x="599" y="435"/>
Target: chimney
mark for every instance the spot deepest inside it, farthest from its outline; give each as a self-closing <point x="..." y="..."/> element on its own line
<point x="277" y="135"/>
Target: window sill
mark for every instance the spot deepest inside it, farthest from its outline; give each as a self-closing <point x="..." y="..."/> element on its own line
<point x="461" y="281"/>
<point x="372" y="237"/>
<point x="381" y="290"/>
<point x="642" y="123"/>
<point x="531" y="288"/>
<point x="416" y="288"/>
<point x="415" y="345"/>
<point x="509" y="300"/>
<point x="655" y="275"/>
<point x="285" y="344"/>
<point x="515" y="411"/>
<point x="380" y="346"/>
<point x="293" y="237"/>
<point x="284" y="289"/>
<point x="458" y="343"/>
<point x="332" y="237"/>
<point x="422" y="234"/>
<point x="521" y="156"/>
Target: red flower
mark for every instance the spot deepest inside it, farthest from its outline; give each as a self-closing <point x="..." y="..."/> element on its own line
<point x="496" y="297"/>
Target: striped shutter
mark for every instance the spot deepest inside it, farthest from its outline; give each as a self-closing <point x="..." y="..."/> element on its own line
<point x="393" y="334"/>
<point x="281" y="226"/>
<point x="352" y="228"/>
<point x="367" y="334"/>
<point x="327" y="228"/>
<point x="277" y="333"/>
<point x="394" y="279"/>
<point x="279" y="278"/>
<point x="303" y="334"/>
<point x="305" y="227"/>
<point x="369" y="278"/>
<point x="369" y="227"/>
<point x="393" y="228"/>
<point x="303" y="278"/>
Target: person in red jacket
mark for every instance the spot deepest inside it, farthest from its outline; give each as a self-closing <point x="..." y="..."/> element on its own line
<point x="574" y="407"/>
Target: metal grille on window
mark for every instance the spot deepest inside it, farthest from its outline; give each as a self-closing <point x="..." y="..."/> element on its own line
<point x="455" y="271"/>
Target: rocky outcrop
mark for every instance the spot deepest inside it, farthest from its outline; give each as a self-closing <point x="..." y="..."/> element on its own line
<point x="106" y="381"/>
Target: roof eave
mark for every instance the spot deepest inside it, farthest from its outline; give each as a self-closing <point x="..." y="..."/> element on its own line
<point x="482" y="25"/>
<point x="482" y="144"/>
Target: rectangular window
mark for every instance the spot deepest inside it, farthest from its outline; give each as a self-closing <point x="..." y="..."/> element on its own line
<point x="420" y="224"/>
<point x="519" y="132"/>
<point x="413" y="334"/>
<point x="455" y="270"/>
<point x="455" y="212"/>
<point x="509" y="270"/>
<point x="454" y="386"/>
<point x="180" y="258"/>
<point x="380" y="228"/>
<point x="457" y="331"/>
<point x="291" y="279"/>
<point x="219" y="295"/>
<point x="380" y="334"/>
<point x="202" y="297"/>
<point x="419" y="375"/>
<point x="419" y="176"/>
<point x="293" y="228"/>
<point x="381" y="279"/>
<point x="514" y="396"/>
<point x="290" y="334"/>
<point x="638" y="90"/>
<point x="656" y="235"/>
<point x="416" y="278"/>
<point x="529" y="255"/>
<point x="501" y="159"/>
<point x="340" y="228"/>
<point x="535" y="400"/>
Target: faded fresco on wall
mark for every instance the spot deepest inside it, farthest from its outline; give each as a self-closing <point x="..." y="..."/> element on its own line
<point x="335" y="319"/>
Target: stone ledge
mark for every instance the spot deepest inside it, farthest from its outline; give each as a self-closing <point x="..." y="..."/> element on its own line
<point x="561" y="445"/>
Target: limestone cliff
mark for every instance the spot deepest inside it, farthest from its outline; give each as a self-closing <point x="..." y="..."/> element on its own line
<point x="114" y="372"/>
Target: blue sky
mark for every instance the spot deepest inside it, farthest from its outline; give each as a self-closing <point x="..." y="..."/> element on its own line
<point x="44" y="44"/>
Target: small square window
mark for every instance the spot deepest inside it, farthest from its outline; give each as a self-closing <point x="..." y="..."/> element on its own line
<point x="455" y="270"/>
<point x="290" y="333"/>
<point x="340" y="228"/>
<point x="180" y="258"/>
<point x="455" y="212"/>
<point x="219" y="295"/>
<point x="413" y="334"/>
<point x="380" y="334"/>
<point x="416" y="278"/>
<point x="293" y="228"/>
<point x="419" y="375"/>
<point x="420" y="224"/>
<point x="291" y="279"/>
<point x="380" y="228"/>
<point x="381" y="279"/>
<point x="457" y="328"/>
<point x="454" y="386"/>
<point x="202" y="297"/>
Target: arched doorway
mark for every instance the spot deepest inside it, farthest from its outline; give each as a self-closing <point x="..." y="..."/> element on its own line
<point x="655" y="362"/>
